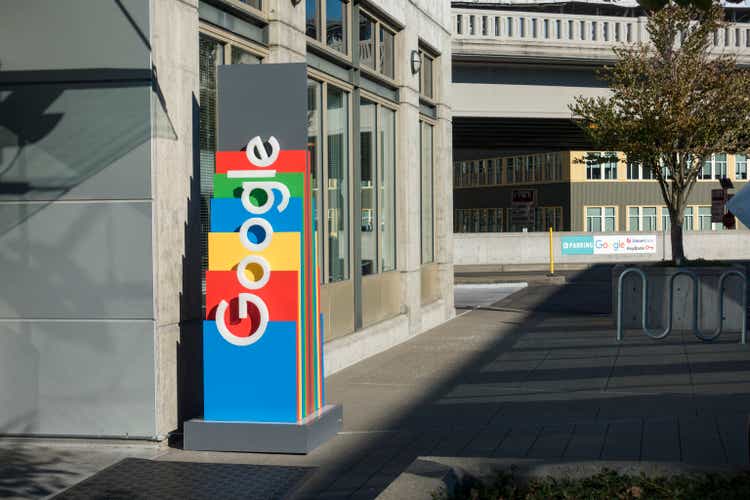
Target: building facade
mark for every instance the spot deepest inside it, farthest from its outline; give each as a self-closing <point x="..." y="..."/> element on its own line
<point x="574" y="191"/>
<point x="107" y="137"/>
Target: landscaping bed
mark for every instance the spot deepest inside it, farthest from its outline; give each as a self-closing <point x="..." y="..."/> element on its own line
<point x="606" y="484"/>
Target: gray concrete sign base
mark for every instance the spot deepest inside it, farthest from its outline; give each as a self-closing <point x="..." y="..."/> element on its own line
<point x="265" y="437"/>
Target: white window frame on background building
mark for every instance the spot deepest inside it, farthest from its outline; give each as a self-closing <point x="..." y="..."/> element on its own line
<point x="323" y="181"/>
<point x="703" y="220"/>
<point x="320" y="39"/>
<point x="601" y="167"/>
<point x="687" y="219"/>
<point x="740" y="167"/>
<point x="379" y="28"/>
<point x="709" y="169"/>
<point x="637" y="172"/>
<point x="603" y="216"/>
<point x="382" y="225"/>
<point x="641" y="219"/>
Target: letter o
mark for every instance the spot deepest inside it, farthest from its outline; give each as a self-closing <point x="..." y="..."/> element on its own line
<point x="262" y="223"/>
<point x="244" y="299"/>
<point x="242" y="278"/>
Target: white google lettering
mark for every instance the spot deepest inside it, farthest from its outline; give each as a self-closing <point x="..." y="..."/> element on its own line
<point x="267" y="187"/>
<point x="244" y="300"/>
<point x="257" y="155"/>
<point x="256" y="151"/>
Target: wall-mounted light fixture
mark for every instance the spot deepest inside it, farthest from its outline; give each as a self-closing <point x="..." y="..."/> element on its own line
<point x="416" y="61"/>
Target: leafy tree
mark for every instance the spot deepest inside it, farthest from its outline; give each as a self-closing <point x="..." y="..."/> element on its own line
<point x="672" y="104"/>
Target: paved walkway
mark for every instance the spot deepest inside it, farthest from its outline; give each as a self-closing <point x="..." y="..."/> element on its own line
<point x="527" y="379"/>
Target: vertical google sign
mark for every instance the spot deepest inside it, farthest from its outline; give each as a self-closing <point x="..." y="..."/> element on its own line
<point x="262" y="339"/>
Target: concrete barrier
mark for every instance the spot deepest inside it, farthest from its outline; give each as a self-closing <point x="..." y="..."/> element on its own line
<point x="532" y="249"/>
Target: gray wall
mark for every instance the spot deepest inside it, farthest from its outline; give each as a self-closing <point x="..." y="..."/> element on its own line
<point x="76" y="308"/>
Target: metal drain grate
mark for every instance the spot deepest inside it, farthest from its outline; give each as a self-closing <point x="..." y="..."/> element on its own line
<point x="135" y="478"/>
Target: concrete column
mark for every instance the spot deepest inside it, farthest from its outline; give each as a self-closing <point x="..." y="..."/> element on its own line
<point x="286" y="32"/>
<point x="408" y="184"/>
<point x="175" y="180"/>
<point x="443" y="164"/>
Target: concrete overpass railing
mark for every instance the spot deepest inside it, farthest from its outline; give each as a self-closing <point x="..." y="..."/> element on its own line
<point x="479" y="32"/>
<point x="532" y="249"/>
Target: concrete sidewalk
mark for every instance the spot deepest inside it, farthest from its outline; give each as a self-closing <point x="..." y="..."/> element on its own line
<point x="519" y="383"/>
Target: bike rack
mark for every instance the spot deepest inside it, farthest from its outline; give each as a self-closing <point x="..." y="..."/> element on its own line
<point x="656" y="335"/>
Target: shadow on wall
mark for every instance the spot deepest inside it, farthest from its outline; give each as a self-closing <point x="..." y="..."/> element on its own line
<point x="190" y="348"/>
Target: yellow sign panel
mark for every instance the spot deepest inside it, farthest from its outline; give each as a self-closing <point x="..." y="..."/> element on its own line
<point x="225" y="251"/>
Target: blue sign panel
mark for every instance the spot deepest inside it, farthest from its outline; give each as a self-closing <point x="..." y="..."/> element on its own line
<point x="577" y="245"/>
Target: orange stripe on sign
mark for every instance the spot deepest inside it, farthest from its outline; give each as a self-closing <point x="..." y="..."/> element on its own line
<point x="288" y="161"/>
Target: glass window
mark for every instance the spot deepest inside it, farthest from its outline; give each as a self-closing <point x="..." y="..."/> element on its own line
<point x="706" y="169"/>
<point x="509" y="171"/>
<point x="337" y="139"/>
<point x="687" y="222"/>
<point x="315" y="149"/>
<point x="387" y="182"/>
<point x="609" y="219"/>
<point x="720" y="166"/>
<point x="425" y="79"/>
<point x="240" y="56"/>
<point x="253" y="3"/>
<point x="312" y="25"/>
<point x="633" y="171"/>
<point x="366" y="41"/>
<point x="593" y="219"/>
<point x="740" y="167"/>
<point x="649" y="219"/>
<point x="386" y="52"/>
<point x="593" y="167"/>
<point x="426" y="193"/>
<point x="610" y="166"/>
<point x="704" y="218"/>
<point x="634" y="219"/>
<point x="367" y="158"/>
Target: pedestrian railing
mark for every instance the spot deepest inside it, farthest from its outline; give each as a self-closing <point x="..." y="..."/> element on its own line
<point x="656" y="334"/>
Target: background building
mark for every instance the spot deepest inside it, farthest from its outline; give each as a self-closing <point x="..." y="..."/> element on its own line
<point x="107" y="136"/>
<point x="576" y="194"/>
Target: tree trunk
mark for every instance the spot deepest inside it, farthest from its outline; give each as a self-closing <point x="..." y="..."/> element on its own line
<point x="678" y="250"/>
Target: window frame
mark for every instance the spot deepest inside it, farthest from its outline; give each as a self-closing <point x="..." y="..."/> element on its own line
<point x="321" y="44"/>
<point x="322" y="202"/>
<point x="231" y="40"/>
<point x="261" y="14"/>
<point x="642" y="218"/>
<point x="382" y="103"/>
<point x="603" y="218"/>
<point x="432" y="123"/>
<point x="602" y="167"/>
<point x="736" y="167"/>
<point x="379" y="23"/>
<point x="712" y="175"/>
<point x="425" y="52"/>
